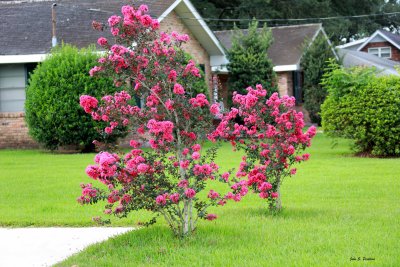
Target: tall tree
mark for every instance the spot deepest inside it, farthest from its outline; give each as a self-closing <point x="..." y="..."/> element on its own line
<point x="249" y="64"/>
<point x="314" y="63"/>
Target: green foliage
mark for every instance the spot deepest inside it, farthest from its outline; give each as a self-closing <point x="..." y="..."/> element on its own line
<point x="53" y="113"/>
<point x="249" y="64"/>
<point x="364" y="107"/>
<point x="343" y="27"/>
<point x="198" y="86"/>
<point x="314" y="62"/>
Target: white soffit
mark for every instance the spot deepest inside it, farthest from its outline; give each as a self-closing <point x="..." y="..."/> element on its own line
<point x="22" y="58"/>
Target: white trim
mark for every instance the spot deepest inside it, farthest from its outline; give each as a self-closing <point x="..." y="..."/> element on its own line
<point x="286" y="68"/>
<point x="169" y="10"/>
<point x="22" y="58"/>
<point x="378" y="32"/>
<point x="219" y="69"/>
<point x="204" y="25"/>
<point x="357" y="42"/>
<point x="380" y="51"/>
<point x="330" y="43"/>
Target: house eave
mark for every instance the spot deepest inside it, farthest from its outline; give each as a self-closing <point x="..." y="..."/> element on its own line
<point x="281" y="68"/>
<point x="13" y="59"/>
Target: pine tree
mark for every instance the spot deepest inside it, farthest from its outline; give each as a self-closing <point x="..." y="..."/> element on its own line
<point x="314" y="63"/>
<point x="249" y="64"/>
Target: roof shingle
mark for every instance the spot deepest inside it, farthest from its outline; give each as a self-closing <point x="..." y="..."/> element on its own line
<point x="25" y="27"/>
<point x="288" y="44"/>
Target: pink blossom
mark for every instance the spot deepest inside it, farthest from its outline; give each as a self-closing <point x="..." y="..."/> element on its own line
<point x="178" y="89"/>
<point x="184" y="164"/>
<point x="225" y="176"/>
<point x="195" y="156"/>
<point x="274" y="195"/>
<point x="94" y="70"/>
<point x="185" y="151"/>
<point x="108" y="130"/>
<point x="214" y="109"/>
<point x="161" y="200"/>
<point x="183" y="183"/>
<point x="213" y="195"/>
<point x="190" y="193"/>
<point x="265" y="186"/>
<point x="114" y="20"/>
<point x="174" y="198"/>
<point x="172" y="76"/>
<point x="102" y="41"/>
<point x="196" y="147"/>
<point x="293" y="171"/>
<point x="211" y="217"/>
<point x="88" y="103"/>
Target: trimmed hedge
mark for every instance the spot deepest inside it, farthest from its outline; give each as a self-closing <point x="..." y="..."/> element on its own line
<point x="364" y="107"/>
<point x="53" y="113"/>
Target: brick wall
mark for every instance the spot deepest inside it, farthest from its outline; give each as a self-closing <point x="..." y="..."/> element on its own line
<point x="173" y="23"/>
<point x="285" y="83"/>
<point x="14" y="132"/>
<point x="395" y="50"/>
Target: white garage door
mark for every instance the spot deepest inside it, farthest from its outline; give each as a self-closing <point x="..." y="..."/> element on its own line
<point x="12" y="87"/>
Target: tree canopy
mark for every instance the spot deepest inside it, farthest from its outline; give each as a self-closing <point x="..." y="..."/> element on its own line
<point x="345" y="25"/>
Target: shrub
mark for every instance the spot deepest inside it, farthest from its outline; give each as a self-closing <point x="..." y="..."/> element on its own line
<point x="53" y="114"/>
<point x="170" y="178"/>
<point x="364" y="107"/>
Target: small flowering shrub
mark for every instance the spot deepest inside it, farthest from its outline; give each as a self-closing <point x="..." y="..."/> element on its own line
<point x="169" y="178"/>
<point x="271" y="133"/>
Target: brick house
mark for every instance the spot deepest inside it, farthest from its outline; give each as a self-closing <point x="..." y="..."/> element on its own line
<point x="285" y="53"/>
<point x="381" y="43"/>
<point x="26" y="39"/>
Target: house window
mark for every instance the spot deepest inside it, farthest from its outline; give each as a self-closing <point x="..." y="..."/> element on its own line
<point x="12" y="87"/>
<point x="383" y="52"/>
<point x="298" y="86"/>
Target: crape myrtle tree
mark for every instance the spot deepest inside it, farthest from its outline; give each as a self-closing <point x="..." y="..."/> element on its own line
<point x="170" y="178"/>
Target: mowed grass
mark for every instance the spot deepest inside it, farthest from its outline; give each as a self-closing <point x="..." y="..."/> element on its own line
<point x="335" y="208"/>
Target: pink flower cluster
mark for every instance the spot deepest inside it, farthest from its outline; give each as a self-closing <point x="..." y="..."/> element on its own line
<point x="271" y="134"/>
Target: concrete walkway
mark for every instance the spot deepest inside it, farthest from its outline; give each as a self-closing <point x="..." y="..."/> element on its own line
<point x="27" y="247"/>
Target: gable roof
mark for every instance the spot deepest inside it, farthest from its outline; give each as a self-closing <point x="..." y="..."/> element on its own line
<point x="25" y="27"/>
<point x="287" y="47"/>
<point x="351" y="58"/>
<point x="392" y="38"/>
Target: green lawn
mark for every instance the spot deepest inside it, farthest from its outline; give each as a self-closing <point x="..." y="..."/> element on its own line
<point x="335" y="208"/>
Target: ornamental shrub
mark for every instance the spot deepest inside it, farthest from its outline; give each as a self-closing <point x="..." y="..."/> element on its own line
<point x="53" y="114"/>
<point x="270" y="136"/>
<point x="170" y="179"/>
<point x="364" y="107"/>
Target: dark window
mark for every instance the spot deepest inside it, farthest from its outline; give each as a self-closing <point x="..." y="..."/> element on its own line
<point x="29" y="67"/>
<point x="202" y="67"/>
<point x="297" y="86"/>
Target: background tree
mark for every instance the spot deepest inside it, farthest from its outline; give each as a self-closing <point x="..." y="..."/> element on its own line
<point x="53" y="114"/>
<point x="345" y="27"/>
<point x="249" y="64"/>
<point x="314" y="63"/>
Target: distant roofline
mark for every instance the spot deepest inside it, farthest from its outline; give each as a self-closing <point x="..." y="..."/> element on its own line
<point x="356" y="42"/>
<point x="380" y="33"/>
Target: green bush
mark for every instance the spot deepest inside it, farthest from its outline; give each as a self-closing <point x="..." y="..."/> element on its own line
<point x="53" y="113"/>
<point x="364" y="107"/>
<point x="314" y="62"/>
